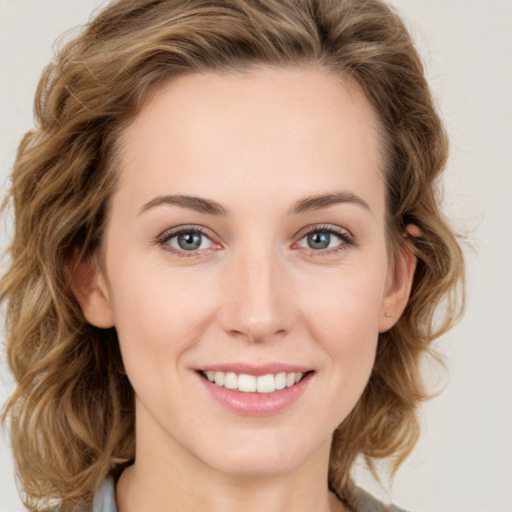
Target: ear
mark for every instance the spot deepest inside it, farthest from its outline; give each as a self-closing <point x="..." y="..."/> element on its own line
<point x="398" y="288"/>
<point x="89" y="288"/>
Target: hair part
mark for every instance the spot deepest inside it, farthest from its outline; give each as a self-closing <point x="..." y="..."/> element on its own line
<point x="72" y="413"/>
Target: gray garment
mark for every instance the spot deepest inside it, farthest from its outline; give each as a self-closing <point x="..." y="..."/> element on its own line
<point x="363" y="502"/>
<point x="105" y="501"/>
<point x="105" y="498"/>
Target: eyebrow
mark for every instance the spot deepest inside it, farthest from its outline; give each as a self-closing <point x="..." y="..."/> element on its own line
<point x="321" y="201"/>
<point x="210" y="207"/>
<point x="192" y="203"/>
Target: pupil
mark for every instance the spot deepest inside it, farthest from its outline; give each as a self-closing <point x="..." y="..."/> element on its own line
<point x="189" y="241"/>
<point x="319" y="240"/>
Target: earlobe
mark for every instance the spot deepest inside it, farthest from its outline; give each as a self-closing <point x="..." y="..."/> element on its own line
<point x="89" y="288"/>
<point x="398" y="288"/>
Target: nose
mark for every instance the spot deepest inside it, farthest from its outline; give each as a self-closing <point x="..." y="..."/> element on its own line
<point x="257" y="297"/>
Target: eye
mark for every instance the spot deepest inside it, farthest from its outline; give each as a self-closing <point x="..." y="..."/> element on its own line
<point x="185" y="240"/>
<point x="321" y="240"/>
<point x="189" y="241"/>
<point x="325" y="238"/>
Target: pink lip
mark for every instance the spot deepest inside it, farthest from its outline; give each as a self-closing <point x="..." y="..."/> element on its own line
<point x="257" y="370"/>
<point x="256" y="404"/>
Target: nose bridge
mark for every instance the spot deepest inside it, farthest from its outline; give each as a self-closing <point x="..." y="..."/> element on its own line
<point x="257" y="304"/>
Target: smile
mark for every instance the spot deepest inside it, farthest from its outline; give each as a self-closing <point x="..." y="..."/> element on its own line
<point x="246" y="383"/>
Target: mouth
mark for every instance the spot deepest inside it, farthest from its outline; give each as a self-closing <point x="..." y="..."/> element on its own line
<point x="250" y="390"/>
<point x="247" y="383"/>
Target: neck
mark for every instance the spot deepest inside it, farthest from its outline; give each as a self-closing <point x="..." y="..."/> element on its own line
<point x="138" y="489"/>
<point x="165" y="476"/>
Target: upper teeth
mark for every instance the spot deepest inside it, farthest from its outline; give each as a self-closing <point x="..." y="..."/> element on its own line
<point x="251" y="384"/>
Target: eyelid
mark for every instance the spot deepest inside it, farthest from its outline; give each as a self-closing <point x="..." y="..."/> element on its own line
<point x="331" y="228"/>
<point x="163" y="238"/>
<point x="347" y="238"/>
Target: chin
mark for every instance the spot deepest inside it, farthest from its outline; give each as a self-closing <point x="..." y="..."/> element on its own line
<point x="258" y="466"/>
<point x="264" y="456"/>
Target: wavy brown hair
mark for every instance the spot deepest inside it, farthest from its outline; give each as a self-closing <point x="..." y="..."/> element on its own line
<point x="71" y="416"/>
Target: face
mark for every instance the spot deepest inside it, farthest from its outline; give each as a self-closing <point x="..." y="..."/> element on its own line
<point x="246" y="246"/>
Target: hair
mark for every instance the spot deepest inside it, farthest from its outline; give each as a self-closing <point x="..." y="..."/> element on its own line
<point x="71" y="416"/>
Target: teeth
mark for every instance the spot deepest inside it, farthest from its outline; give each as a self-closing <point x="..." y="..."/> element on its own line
<point x="280" y="380"/>
<point x="231" y="380"/>
<point x="250" y="383"/>
<point x="266" y="384"/>
<point x="219" y="378"/>
<point x="246" y="383"/>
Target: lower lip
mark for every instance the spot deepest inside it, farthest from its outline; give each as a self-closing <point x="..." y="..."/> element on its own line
<point x="257" y="404"/>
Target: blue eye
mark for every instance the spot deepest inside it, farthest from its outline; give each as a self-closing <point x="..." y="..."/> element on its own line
<point x="188" y="240"/>
<point x="324" y="238"/>
<point x="319" y="240"/>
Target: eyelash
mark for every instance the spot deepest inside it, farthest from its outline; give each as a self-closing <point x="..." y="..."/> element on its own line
<point x="346" y="240"/>
<point x="164" y="239"/>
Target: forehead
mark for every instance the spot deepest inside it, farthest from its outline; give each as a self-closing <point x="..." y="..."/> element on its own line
<point x="280" y="127"/>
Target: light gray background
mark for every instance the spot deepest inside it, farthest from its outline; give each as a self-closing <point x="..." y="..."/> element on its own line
<point x="463" y="462"/>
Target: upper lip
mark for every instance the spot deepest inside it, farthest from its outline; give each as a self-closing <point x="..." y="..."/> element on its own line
<point x="256" y="370"/>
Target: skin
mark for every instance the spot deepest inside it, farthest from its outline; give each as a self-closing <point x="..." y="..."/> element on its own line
<point x="257" y="144"/>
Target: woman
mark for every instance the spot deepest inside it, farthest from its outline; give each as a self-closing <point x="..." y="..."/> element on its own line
<point x="227" y="257"/>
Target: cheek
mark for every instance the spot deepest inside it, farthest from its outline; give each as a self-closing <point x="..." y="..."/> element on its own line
<point x="344" y="320"/>
<point x="159" y="314"/>
<point x="346" y="303"/>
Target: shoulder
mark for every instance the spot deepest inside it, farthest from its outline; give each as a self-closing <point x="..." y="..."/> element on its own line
<point x="361" y="501"/>
<point x="105" y="497"/>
